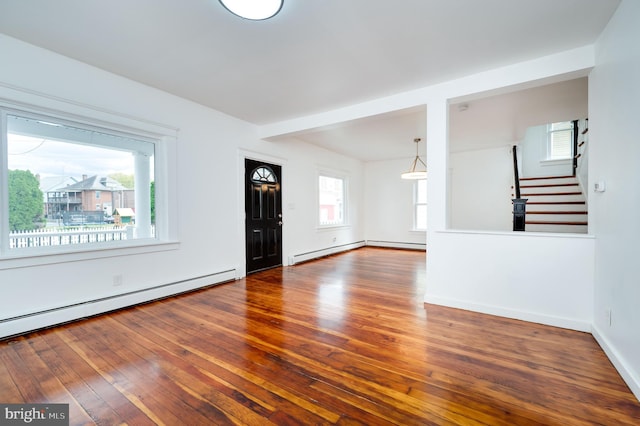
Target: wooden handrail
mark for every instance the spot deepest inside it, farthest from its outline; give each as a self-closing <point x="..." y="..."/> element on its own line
<point x="519" y="204"/>
<point x="575" y="146"/>
<point x="515" y="171"/>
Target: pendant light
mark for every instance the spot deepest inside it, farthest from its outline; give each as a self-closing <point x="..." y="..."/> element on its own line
<point x="418" y="169"/>
<point x="255" y="10"/>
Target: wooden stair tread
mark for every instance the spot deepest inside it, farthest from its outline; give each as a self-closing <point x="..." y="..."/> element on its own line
<point x="542" y="222"/>
<point x="558" y="212"/>
<point x="547" y="177"/>
<point x="548" y="185"/>
<point x="555" y="202"/>
<point x="550" y="193"/>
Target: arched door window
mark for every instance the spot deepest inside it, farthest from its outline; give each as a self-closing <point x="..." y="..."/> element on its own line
<point x="263" y="174"/>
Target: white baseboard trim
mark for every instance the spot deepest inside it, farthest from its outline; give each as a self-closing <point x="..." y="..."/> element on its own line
<point x="38" y="320"/>
<point x="315" y="254"/>
<point x="554" y="321"/>
<point x="397" y="244"/>
<point x="632" y="380"/>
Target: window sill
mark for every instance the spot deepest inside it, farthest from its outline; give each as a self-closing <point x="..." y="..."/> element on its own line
<point x="332" y="227"/>
<point x="556" y="162"/>
<point x="21" y="258"/>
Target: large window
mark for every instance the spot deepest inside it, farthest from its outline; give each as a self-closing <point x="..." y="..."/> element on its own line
<point x="560" y="140"/>
<point x="331" y="199"/>
<point x="69" y="185"/>
<point x="420" y="205"/>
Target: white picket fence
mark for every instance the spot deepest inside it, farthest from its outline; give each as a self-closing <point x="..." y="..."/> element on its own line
<point x="57" y="237"/>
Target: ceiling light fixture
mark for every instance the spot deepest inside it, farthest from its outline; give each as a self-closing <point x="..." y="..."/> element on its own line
<point x="416" y="171"/>
<point x="255" y="10"/>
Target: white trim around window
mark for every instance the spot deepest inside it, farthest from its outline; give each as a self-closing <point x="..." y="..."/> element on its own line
<point x="559" y="140"/>
<point x="152" y="146"/>
<point x="332" y="197"/>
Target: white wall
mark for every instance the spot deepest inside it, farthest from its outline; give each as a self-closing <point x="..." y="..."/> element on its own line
<point x="517" y="275"/>
<point x="614" y="153"/>
<point x="481" y="182"/>
<point x="207" y="187"/>
<point x="389" y="205"/>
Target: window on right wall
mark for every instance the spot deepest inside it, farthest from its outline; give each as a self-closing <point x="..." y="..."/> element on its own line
<point x="331" y="200"/>
<point x="420" y="205"/>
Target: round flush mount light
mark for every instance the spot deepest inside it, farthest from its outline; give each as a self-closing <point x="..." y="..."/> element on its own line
<point x="255" y="10"/>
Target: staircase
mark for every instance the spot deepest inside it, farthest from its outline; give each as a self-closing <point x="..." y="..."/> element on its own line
<point x="555" y="204"/>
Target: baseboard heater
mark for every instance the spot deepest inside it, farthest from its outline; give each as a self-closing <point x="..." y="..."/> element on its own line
<point x="59" y="315"/>
<point x="397" y="244"/>
<point x="315" y="254"/>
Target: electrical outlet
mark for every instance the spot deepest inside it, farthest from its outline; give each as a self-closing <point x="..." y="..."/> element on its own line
<point x="117" y="280"/>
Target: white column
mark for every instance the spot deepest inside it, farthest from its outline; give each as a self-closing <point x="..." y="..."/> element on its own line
<point x="437" y="189"/>
<point x="143" y="195"/>
<point x="437" y="164"/>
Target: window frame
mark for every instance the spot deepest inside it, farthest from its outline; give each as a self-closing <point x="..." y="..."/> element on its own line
<point x="550" y="145"/>
<point x="345" y="194"/>
<point x="163" y="139"/>
<point x="417" y="204"/>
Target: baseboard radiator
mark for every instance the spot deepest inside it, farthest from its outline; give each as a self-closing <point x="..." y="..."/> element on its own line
<point x="47" y="318"/>
<point x="397" y="244"/>
<point x="316" y="254"/>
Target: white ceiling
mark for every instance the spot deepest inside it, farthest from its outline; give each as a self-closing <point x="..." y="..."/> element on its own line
<point x="385" y="136"/>
<point x="315" y="56"/>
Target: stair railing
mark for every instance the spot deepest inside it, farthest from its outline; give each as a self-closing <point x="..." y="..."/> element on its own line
<point x="515" y="171"/>
<point x="575" y="153"/>
<point x="519" y="204"/>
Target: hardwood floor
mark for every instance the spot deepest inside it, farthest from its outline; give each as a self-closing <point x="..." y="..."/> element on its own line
<point x="345" y="340"/>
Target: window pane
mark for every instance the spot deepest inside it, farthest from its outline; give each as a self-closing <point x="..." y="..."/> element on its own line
<point x="561" y="140"/>
<point x="331" y="200"/>
<point x="421" y="217"/>
<point x="73" y="185"/>
<point x="421" y="191"/>
<point x="420" y="205"/>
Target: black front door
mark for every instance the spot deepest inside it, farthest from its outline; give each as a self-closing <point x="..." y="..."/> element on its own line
<point x="263" y="208"/>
